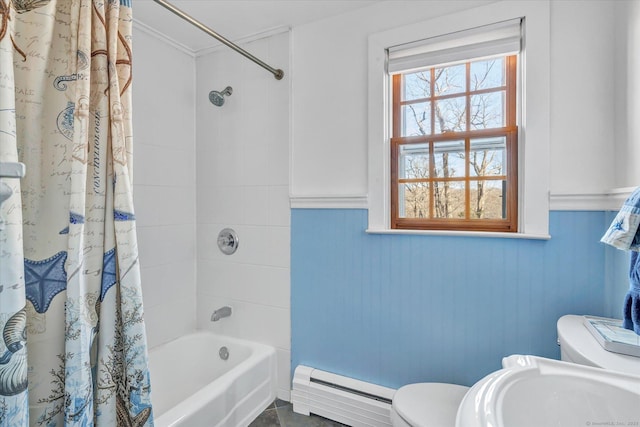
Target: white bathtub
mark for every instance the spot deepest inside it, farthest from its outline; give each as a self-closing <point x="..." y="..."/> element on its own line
<point x="192" y="386"/>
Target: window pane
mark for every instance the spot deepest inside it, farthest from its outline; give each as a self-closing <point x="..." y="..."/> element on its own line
<point x="452" y="160"/>
<point x="488" y="110"/>
<point x="450" y="115"/>
<point x="449" y="159"/>
<point x="413" y="200"/>
<point x="449" y="80"/>
<point x="448" y="200"/>
<point x="416" y="119"/>
<point x="414" y="161"/>
<point x="487" y="74"/>
<point x="487" y="156"/>
<point x="487" y="199"/>
<point x="416" y="85"/>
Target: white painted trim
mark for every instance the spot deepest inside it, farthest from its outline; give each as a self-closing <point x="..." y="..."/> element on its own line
<point x="578" y="202"/>
<point x="610" y="200"/>
<point x="290" y="113"/>
<point x="483" y="234"/>
<point x="140" y="26"/>
<point x="329" y="202"/>
<point x="534" y="138"/>
<point x="247" y="39"/>
<point x="603" y="201"/>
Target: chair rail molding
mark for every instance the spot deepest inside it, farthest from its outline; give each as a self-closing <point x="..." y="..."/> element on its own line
<point x="329" y="201"/>
<point x="606" y="200"/>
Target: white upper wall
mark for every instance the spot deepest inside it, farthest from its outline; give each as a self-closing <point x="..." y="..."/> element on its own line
<point x="165" y="183"/>
<point x="627" y="90"/>
<point x="582" y="96"/>
<point x="329" y="148"/>
<point x="329" y="153"/>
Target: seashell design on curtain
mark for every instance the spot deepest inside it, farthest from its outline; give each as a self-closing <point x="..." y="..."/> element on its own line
<point x="70" y="290"/>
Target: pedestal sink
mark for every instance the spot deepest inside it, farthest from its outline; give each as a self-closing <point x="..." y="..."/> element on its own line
<point x="534" y="391"/>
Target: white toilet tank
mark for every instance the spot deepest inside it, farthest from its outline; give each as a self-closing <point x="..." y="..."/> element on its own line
<point x="578" y="345"/>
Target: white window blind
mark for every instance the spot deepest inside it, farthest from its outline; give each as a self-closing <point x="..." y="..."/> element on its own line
<point x="501" y="38"/>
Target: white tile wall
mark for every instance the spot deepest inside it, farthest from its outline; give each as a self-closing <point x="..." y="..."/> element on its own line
<point x="242" y="163"/>
<point x="201" y="168"/>
<point x="166" y="283"/>
<point x="254" y="322"/>
<point x="165" y="185"/>
<point x="256" y="284"/>
<point x="167" y="322"/>
<point x="278" y="212"/>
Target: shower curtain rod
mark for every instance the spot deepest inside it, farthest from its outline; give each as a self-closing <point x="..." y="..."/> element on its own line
<point x="277" y="73"/>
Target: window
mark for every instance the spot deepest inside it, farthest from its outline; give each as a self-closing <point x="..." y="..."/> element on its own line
<point x="435" y="41"/>
<point x="454" y="145"/>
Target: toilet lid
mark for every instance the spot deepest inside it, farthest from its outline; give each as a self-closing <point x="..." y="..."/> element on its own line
<point x="429" y="404"/>
<point x="576" y="339"/>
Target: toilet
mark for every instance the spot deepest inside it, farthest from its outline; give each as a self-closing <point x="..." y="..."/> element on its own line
<point x="577" y="345"/>
<point x="436" y="404"/>
<point x="426" y="405"/>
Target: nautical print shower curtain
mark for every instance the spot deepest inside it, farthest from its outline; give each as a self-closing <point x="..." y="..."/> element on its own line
<point x="73" y="346"/>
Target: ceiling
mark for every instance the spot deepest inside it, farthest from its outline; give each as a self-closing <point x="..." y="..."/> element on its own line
<point x="235" y="19"/>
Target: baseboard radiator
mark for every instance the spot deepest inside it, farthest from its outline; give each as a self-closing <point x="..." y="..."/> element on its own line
<point x="346" y="400"/>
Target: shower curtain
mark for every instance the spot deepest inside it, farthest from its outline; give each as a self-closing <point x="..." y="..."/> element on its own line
<point x="73" y="346"/>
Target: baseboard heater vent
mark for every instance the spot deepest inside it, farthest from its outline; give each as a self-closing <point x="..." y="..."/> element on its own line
<point x="346" y="400"/>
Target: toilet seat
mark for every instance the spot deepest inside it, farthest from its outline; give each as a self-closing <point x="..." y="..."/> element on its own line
<point x="427" y="404"/>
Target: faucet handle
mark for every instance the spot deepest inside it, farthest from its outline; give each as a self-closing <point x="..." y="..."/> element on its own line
<point x="228" y="241"/>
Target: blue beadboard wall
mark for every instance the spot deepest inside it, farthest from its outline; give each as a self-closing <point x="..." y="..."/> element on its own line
<point x="392" y="310"/>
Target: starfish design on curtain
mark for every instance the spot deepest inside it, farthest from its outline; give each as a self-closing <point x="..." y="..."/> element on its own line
<point x="75" y="218"/>
<point x="123" y="216"/>
<point x="44" y="280"/>
<point x="108" y="272"/>
<point x="92" y="367"/>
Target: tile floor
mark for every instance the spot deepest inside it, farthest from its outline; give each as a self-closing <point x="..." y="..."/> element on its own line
<point x="280" y="414"/>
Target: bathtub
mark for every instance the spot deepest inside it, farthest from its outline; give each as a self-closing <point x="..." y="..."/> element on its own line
<point x="192" y="386"/>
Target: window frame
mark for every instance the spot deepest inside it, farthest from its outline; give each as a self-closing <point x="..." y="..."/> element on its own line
<point x="509" y="131"/>
<point x="534" y="123"/>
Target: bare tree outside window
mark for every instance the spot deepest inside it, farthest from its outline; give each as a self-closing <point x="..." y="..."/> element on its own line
<point x="450" y="163"/>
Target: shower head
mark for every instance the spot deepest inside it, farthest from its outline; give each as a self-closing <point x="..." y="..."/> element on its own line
<point x="217" y="98"/>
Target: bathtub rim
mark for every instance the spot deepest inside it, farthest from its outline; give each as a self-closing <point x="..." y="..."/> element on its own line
<point x="200" y="398"/>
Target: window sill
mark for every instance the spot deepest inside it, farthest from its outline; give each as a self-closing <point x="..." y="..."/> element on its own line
<point x="485" y="234"/>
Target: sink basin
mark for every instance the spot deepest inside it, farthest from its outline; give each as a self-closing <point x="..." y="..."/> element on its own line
<point x="534" y="391"/>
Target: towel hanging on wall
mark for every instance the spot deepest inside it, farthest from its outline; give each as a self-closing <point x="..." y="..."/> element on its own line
<point x="631" y="310"/>
<point x="624" y="233"/>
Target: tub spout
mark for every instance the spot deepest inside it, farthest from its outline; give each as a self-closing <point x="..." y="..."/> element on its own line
<point x="220" y="313"/>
